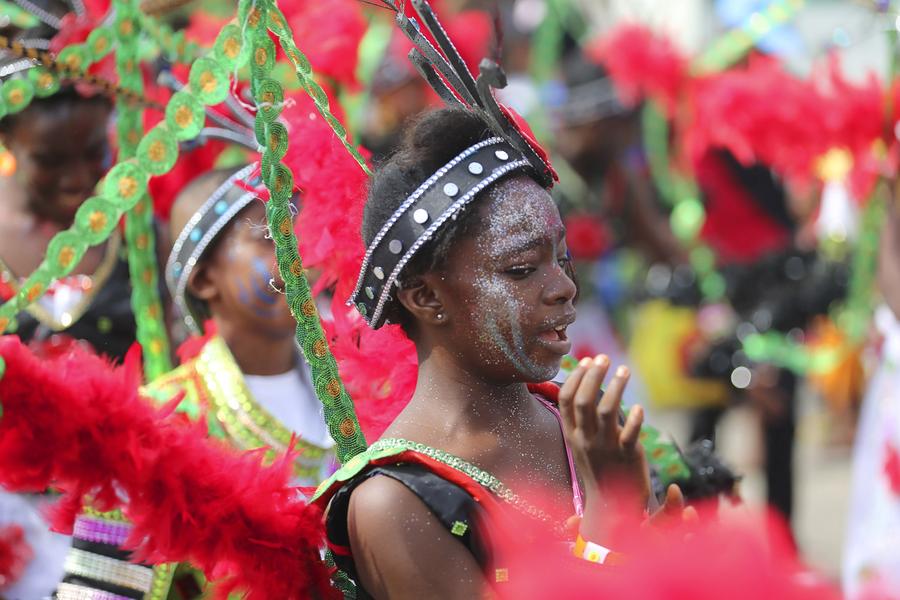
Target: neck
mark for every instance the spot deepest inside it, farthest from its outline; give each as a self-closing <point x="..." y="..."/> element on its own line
<point x="257" y="352"/>
<point x="462" y="399"/>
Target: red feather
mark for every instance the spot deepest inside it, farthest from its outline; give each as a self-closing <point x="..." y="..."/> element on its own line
<point x="333" y="193"/>
<point x="193" y="346"/>
<point x="15" y="554"/>
<point x="643" y="64"/>
<point x="78" y="425"/>
<point x="724" y="557"/>
<point x="379" y="367"/>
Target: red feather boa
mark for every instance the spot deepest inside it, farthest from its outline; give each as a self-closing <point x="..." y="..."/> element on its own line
<point x="379" y="367"/>
<point x="78" y="425"/>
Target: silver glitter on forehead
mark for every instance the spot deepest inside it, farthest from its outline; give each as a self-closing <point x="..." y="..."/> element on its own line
<point x="509" y="222"/>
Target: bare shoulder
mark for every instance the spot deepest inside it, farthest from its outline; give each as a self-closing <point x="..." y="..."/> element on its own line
<point x="402" y="550"/>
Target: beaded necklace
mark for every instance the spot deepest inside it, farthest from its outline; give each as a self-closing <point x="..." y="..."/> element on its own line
<point x="480" y="476"/>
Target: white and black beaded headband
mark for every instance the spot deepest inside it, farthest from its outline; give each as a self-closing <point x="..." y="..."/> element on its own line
<point x="442" y="197"/>
<point x="454" y="186"/>
<point x="200" y="231"/>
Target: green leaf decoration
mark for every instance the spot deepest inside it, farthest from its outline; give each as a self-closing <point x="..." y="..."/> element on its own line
<point x="45" y="82"/>
<point x="185" y="116"/>
<point x="209" y="81"/>
<point x="17" y="94"/>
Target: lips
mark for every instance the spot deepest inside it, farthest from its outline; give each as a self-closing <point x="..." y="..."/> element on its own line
<point x="554" y="337"/>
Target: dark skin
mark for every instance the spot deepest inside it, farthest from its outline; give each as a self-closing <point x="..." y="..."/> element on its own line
<point x="60" y="153"/>
<point x="233" y="279"/>
<point x="485" y="325"/>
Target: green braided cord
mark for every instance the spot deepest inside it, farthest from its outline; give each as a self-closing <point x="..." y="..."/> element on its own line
<point x="153" y="153"/>
<point x="732" y="46"/>
<point x="40" y="81"/>
<point x="278" y="25"/>
<point x="125" y="185"/>
<point x="269" y="97"/>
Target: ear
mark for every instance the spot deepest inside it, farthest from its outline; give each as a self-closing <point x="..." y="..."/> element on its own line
<point x="421" y="298"/>
<point x="202" y="282"/>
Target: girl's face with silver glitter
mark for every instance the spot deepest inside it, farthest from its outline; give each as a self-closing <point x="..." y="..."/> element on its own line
<point x="507" y="294"/>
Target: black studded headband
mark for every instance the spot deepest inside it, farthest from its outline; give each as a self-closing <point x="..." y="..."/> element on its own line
<point x="450" y="190"/>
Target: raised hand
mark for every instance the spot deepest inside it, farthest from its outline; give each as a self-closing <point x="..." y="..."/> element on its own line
<point x="608" y="456"/>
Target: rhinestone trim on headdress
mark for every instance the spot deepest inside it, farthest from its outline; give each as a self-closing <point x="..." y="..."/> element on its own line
<point x="193" y="240"/>
<point x="420" y="217"/>
<point x="412" y="199"/>
<point x="448" y="191"/>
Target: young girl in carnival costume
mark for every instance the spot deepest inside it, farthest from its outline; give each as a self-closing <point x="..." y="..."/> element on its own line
<point x="466" y="252"/>
<point x="243" y="372"/>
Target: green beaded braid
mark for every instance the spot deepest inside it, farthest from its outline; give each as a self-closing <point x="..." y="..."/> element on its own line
<point x="278" y="25"/>
<point x="44" y="80"/>
<point x="269" y="96"/>
<point x="124" y="188"/>
<point x="157" y="154"/>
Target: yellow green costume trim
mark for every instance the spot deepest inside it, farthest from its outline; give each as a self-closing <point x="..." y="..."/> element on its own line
<point x="213" y="381"/>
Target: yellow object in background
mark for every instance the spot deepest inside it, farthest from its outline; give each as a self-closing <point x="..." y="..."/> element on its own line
<point x="7" y="162"/>
<point x="659" y="332"/>
<point x="843" y="385"/>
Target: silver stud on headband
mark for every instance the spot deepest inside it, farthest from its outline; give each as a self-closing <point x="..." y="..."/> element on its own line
<point x="396" y="246"/>
<point x="476" y="168"/>
<point x="370" y="292"/>
<point x="502" y="154"/>
<point x="379" y="272"/>
<point x="451" y="189"/>
<point x="420" y="216"/>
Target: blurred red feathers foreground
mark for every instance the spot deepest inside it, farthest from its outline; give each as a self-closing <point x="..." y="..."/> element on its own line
<point x="77" y="424"/>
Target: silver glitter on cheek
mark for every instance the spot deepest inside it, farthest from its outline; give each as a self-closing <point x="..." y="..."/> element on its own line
<point x="503" y="341"/>
<point x="516" y="212"/>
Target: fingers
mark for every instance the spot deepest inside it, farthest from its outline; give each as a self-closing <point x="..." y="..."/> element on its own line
<point x="586" y="396"/>
<point x="674" y="501"/>
<point x="607" y="415"/>
<point x="631" y="432"/>
<point x="690" y="515"/>
<point x="567" y="393"/>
